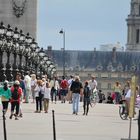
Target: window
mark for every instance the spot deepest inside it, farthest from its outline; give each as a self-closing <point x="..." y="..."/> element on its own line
<point x="109" y="75"/>
<point x="137" y="35"/>
<point x="99" y="85"/>
<point x="109" y="85"/>
<point x="139" y="10"/>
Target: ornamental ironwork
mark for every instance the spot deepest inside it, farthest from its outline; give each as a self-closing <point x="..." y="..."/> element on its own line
<point x="19" y="7"/>
<point x="99" y="67"/>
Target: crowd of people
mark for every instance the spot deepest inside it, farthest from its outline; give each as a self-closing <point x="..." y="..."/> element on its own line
<point x="42" y="91"/>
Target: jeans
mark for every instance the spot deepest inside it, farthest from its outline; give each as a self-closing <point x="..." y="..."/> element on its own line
<point x="76" y="99"/>
<point x="38" y="104"/>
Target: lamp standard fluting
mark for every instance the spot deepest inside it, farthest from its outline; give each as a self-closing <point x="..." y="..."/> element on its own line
<point x="15" y="51"/>
<point x="8" y="49"/>
<point x="2" y="43"/>
<point x="21" y="51"/>
<point x="63" y="32"/>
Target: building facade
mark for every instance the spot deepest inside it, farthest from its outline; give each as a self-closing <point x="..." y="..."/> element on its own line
<point x="20" y="13"/>
<point x="107" y="66"/>
<point x="133" y="24"/>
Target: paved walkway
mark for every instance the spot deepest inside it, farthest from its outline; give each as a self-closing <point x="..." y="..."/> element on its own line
<point x="102" y="123"/>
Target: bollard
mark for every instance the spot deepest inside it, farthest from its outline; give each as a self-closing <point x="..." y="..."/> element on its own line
<point x="54" y="131"/>
<point x="4" y="126"/>
<point x="139" y="126"/>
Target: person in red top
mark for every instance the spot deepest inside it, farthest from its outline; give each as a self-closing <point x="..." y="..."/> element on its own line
<point x="16" y="92"/>
<point x="64" y="89"/>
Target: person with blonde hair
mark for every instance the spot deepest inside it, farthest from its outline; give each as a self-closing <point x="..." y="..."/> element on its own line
<point x="46" y="99"/>
<point x="33" y="84"/>
<point x="117" y="90"/>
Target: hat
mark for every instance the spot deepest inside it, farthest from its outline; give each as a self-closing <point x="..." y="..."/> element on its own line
<point x="5" y="82"/>
<point x="16" y="82"/>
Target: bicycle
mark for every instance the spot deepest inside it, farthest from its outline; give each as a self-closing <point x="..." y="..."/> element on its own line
<point x="123" y="111"/>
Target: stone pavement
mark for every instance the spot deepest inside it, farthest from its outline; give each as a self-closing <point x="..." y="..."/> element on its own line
<point x="102" y="123"/>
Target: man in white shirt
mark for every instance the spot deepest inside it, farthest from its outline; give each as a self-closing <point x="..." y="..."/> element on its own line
<point x="69" y="95"/>
<point x="27" y="80"/>
<point x="92" y="83"/>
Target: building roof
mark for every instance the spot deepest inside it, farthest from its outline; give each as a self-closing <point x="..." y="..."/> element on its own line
<point x="98" y="60"/>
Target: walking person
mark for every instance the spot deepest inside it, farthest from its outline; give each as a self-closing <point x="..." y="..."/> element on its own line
<point x="22" y="85"/>
<point x="54" y="89"/>
<point x="46" y="99"/>
<point x="117" y="90"/>
<point x="64" y="89"/>
<point x="86" y="101"/>
<point x="16" y="93"/>
<point x="76" y="89"/>
<point x="69" y="96"/>
<point x="33" y="83"/>
<point x="27" y="80"/>
<point x="5" y="94"/>
<point x="38" y="96"/>
<point x="92" y="83"/>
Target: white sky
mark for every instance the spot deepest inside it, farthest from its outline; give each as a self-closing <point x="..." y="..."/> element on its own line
<point x="87" y="23"/>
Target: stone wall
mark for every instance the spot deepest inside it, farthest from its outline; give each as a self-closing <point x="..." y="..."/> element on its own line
<point x="27" y="22"/>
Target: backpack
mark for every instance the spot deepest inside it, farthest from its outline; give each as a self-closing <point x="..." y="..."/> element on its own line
<point x="64" y="84"/>
<point x="15" y="94"/>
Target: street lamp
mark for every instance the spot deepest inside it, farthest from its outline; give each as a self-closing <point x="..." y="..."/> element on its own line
<point x="2" y="43"/>
<point x="63" y="32"/>
<point x="8" y="49"/>
<point x="21" y="51"/>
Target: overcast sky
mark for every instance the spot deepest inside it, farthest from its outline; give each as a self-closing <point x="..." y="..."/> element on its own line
<point x="87" y="23"/>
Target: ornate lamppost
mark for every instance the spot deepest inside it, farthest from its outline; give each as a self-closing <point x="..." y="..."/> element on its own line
<point x="27" y="51"/>
<point x="2" y="43"/>
<point x="21" y="51"/>
<point x="63" y="32"/>
<point x="41" y="54"/>
<point x="15" y="51"/>
<point x="33" y="55"/>
<point x="8" y="49"/>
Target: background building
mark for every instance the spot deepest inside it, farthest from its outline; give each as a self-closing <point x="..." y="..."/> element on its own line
<point x="133" y="24"/>
<point x="109" y="47"/>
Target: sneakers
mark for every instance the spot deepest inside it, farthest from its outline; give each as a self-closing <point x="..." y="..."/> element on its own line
<point x="16" y="118"/>
<point x="73" y="113"/>
<point x="11" y="116"/>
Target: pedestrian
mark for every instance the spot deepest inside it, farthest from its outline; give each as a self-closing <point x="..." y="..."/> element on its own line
<point x="5" y="94"/>
<point x="16" y="93"/>
<point x="69" y="96"/>
<point x="46" y="99"/>
<point x="92" y="83"/>
<point x="86" y="101"/>
<point x="54" y="89"/>
<point x="33" y="83"/>
<point x="27" y="80"/>
<point x="64" y="89"/>
<point x="117" y="90"/>
<point x="76" y="89"/>
<point x="22" y="85"/>
<point x="38" y="96"/>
